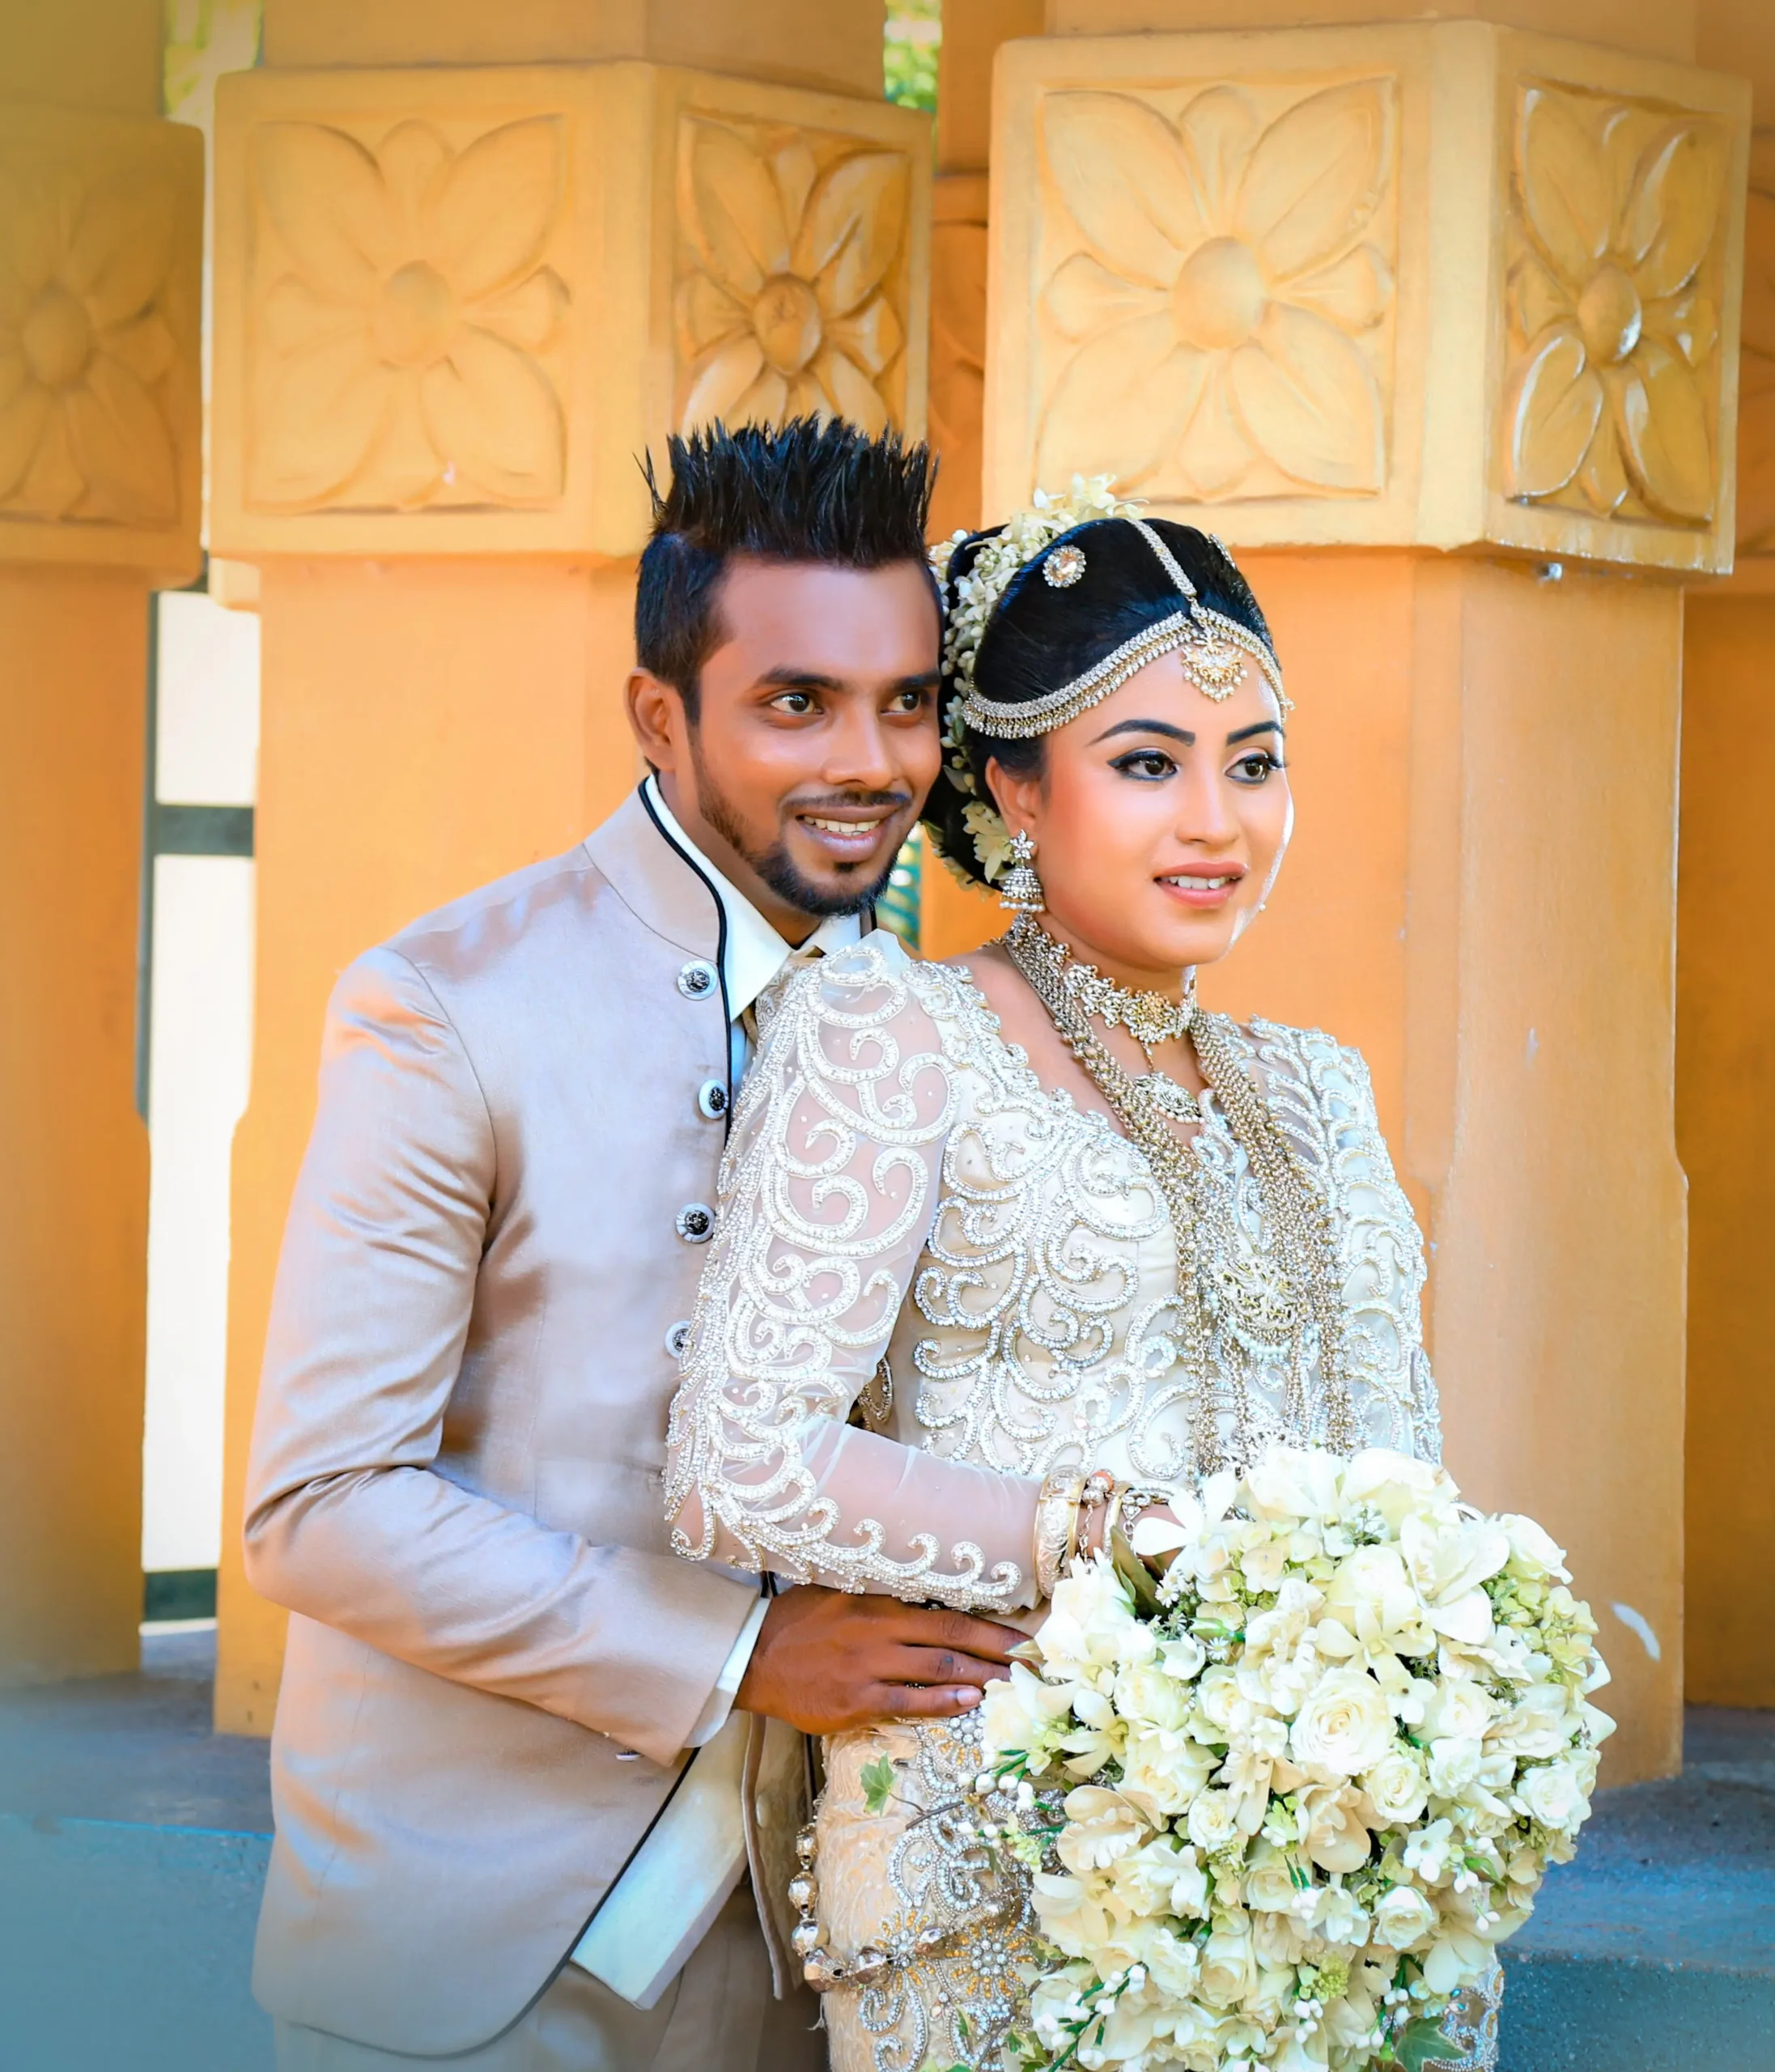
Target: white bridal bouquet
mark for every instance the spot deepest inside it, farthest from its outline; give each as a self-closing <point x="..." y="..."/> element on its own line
<point x="1282" y="1799"/>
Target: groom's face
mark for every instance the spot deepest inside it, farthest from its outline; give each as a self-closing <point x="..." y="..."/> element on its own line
<point x="813" y="739"/>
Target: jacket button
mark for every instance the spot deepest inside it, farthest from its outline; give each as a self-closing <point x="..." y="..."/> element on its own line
<point x="696" y="1223"/>
<point x="711" y="1098"/>
<point x="678" y="1337"/>
<point x="697" y="980"/>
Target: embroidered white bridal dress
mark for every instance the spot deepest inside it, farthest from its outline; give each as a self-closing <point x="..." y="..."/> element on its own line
<point x="934" y="1280"/>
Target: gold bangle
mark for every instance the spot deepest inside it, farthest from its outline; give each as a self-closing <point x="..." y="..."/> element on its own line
<point x="1056" y="1528"/>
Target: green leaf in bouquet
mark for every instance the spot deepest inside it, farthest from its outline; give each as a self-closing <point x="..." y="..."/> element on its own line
<point x="1425" y="2042"/>
<point x="1142" y="1585"/>
<point x="877" y="1781"/>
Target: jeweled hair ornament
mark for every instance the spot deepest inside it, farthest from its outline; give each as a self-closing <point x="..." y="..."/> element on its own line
<point x="1213" y="647"/>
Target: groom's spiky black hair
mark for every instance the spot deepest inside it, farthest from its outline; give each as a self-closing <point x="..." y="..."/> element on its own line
<point x="808" y="490"/>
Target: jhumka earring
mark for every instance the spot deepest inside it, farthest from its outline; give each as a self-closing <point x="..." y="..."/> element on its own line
<point x="1020" y="891"/>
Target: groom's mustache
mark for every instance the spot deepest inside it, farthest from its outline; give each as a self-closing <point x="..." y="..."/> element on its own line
<point x="851" y="800"/>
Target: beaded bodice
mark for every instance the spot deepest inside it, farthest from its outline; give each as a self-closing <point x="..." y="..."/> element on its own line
<point x="912" y="1224"/>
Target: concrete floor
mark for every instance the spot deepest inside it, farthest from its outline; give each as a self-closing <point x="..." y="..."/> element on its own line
<point x="133" y="1846"/>
<point x="133" y="1842"/>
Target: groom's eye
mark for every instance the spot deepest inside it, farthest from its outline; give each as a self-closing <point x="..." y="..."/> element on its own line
<point x="798" y="702"/>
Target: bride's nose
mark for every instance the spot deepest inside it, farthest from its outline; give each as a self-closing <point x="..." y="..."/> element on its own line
<point x="1205" y="810"/>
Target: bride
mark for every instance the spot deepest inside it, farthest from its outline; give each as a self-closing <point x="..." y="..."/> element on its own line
<point x="1007" y="1245"/>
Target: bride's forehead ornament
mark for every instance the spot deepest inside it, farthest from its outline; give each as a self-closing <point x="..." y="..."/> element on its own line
<point x="1213" y="648"/>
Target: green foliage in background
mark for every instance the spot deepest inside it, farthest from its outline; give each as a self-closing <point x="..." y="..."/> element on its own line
<point x="915" y="31"/>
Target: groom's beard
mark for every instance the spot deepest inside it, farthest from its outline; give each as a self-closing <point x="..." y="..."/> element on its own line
<point x="776" y="867"/>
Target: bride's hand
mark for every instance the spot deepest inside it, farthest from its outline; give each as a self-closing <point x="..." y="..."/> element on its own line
<point x="826" y="1660"/>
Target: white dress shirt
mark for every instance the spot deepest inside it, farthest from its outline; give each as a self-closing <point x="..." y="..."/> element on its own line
<point x="752" y="955"/>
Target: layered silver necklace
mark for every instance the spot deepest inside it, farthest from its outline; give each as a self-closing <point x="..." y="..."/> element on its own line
<point x="1268" y="1294"/>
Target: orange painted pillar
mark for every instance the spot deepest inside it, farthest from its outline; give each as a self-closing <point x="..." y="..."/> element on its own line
<point x="440" y="487"/>
<point x="1341" y="294"/>
<point x="102" y="205"/>
<point x="1726" y="988"/>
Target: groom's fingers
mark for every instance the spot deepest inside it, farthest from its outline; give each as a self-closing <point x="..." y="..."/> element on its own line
<point x="920" y="1701"/>
<point x="935" y="1665"/>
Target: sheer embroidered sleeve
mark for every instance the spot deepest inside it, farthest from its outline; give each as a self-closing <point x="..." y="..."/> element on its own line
<point x="829" y="1190"/>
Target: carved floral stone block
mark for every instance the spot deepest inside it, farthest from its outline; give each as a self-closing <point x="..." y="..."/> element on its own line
<point x="1756" y="364"/>
<point x="1227" y="276"/>
<point x="446" y="298"/>
<point x="1617" y="230"/>
<point x="101" y="226"/>
<point x="792" y="275"/>
<point x="1442" y="284"/>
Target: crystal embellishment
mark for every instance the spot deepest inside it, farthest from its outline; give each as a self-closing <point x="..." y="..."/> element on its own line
<point x="1064" y="567"/>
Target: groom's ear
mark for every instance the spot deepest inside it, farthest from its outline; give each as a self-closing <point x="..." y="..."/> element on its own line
<point x="657" y="719"/>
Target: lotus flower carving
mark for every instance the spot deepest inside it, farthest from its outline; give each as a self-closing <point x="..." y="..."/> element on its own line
<point x="786" y="299"/>
<point x="85" y="346"/>
<point x="1233" y="270"/>
<point x="1612" y="402"/>
<point x="405" y="340"/>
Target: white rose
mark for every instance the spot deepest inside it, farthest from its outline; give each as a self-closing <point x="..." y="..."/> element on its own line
<point x="1460" y="1711"/>
<point x="1397" y="1788"/>
<point x="1218" y="1698"/>
<point x="1269" y="1885"/>
<point x="1174" y="1964"/>
<point x="1145" y="1692"/>
<point x="1229" y="1963"/>
<point x="1101" y="1826"/>
<point x="1213" y="1822"/>
<point x="1552" y="1794"/>
<point x="1142" y="1882"/>
<point x="1402" y="1917"/>
<point x="1336" y="1836"/>
<point x="1344" y="1725"/>
<point x="1454" y="1766"/>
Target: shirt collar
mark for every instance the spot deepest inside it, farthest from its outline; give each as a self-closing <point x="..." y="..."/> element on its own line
<point x="754" y="952"/>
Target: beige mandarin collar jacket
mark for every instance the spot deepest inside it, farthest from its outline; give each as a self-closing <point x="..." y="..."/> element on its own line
<point x="495" y="1660"/>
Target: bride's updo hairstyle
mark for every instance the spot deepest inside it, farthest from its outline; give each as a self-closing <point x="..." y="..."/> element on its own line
<point x="1081" y="611"/>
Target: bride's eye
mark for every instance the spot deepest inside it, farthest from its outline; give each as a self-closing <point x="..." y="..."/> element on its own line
<point x="1148" y="764"/>
<point x="1255" y="769"/>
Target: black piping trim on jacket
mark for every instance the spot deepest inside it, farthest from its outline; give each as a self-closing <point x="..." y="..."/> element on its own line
<point x="695" y="863"/>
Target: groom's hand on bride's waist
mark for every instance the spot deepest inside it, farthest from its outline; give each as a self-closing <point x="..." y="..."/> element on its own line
<point x="826" y="1660"/>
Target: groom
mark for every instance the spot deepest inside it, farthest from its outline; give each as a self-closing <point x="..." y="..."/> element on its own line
<point x="497" y="1671"/>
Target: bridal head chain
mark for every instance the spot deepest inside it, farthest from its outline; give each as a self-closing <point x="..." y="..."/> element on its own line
<point x="1213" y="648"/>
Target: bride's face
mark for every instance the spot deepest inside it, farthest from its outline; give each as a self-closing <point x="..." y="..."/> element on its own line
<point x="1160" y="818"/>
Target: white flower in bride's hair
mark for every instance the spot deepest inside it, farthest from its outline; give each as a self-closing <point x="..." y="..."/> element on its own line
<point x="1345" y="1725"/>
<point x="991" y="837"/>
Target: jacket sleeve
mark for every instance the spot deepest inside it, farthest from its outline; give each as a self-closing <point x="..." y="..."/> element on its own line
<point x="348" y="1519"/>
<point x="830" y="1184"/>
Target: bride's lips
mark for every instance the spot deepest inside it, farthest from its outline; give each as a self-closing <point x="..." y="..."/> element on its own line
<point x="848" y="838"/>
<point x="1203" y="888"/>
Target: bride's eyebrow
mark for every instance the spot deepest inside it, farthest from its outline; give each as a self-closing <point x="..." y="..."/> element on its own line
<point x="1263" y="727"/>
<point x="1146" y="726"/>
